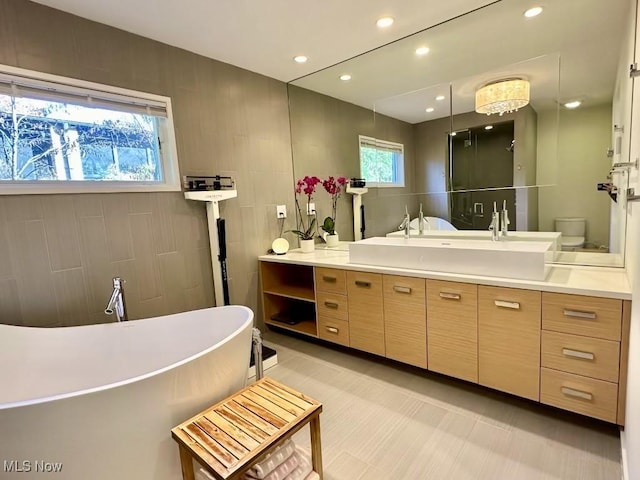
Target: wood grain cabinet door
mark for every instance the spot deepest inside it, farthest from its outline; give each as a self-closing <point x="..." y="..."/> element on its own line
<point x="452" y="329"/>
<point x="405" y="319"/>
<point x="366" y="315"/>
<point x="509" y="340"/>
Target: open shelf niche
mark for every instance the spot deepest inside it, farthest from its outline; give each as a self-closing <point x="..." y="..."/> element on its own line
<point x="288" y="297"/>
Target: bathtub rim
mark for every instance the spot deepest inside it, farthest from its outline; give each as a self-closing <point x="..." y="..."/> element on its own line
<point x="139" y="378"/>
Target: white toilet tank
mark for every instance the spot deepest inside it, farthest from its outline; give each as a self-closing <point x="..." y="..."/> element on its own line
<point x="573" y="231"/>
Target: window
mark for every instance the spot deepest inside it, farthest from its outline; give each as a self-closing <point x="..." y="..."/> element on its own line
<point x="60" y="135"/>
<point x="381" y="162"/>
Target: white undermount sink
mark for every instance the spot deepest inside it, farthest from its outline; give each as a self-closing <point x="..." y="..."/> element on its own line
<point x="525" y="260"/>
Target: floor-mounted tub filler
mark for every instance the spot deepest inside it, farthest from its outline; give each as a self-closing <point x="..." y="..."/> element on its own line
<point x="99" y="401"/>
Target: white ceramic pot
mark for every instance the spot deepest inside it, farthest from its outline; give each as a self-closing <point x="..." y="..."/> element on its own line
<point x="307" y="246"/>
<point x="332" y="240"/>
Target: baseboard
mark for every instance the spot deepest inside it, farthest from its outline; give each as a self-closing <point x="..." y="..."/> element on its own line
<point x="625" y="464"/>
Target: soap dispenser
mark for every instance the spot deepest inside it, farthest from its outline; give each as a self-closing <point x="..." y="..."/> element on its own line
<point x="421" y="221"/>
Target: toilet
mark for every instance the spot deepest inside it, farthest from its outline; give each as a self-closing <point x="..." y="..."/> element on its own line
<point x="573" y="231"/>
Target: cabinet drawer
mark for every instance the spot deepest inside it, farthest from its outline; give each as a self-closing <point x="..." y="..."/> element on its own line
<point x="406" y="290"/>
<point x="332" y="305"/>
<point x="581" y="315"/>
<point x="509" y="340"/>
<point x="452" y="329"/>
<point x="587" y="396"/>
<point x="590" y="357"/>
<point x="333" y="330"/>
<point x="331" y="280"/>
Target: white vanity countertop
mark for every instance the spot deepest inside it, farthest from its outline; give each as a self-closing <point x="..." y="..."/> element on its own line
<point x="575" y="279"/>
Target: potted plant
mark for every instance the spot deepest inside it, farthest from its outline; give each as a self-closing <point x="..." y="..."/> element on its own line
<point x="305" y="229"/>
<point x="333" y="186"/>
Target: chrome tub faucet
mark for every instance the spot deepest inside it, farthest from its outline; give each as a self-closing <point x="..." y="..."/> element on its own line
<point x="116" y="302"/>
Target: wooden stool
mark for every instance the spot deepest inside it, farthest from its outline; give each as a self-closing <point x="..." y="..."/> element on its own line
<point x="230" y="437"/>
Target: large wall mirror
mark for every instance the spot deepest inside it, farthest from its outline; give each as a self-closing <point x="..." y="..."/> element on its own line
<point x="545" y="160"/>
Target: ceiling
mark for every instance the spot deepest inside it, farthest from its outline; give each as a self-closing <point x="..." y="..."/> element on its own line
<point x="568" y="52"/>
<point x="264" y="36"/>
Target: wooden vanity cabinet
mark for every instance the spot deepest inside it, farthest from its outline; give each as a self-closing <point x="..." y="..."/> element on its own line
<point x="565" y="350"/>
<point x="405" y="319"/>
<point x="366" y="312"/>
<point x="509" y="340"/>
<point x="452" y="329"/>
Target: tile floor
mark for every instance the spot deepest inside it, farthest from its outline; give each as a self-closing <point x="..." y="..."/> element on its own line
<point x="382" y="420"/>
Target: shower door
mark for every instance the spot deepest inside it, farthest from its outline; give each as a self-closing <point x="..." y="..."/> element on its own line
<point x="481" y="158"/>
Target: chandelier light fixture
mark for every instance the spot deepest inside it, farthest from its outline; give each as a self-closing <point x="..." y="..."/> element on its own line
<point x="503" y="96"/>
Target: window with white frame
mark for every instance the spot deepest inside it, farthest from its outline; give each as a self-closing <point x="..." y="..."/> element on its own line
<point x="381" y="162"/>
<point x="61" y="135"/>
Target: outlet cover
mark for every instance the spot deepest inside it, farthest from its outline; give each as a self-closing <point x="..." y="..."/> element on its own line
<point x="281" y="211"/>
<point x="311" y="208"/>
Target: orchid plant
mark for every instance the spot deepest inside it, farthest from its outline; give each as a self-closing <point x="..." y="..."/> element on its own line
<point x="306" y="186"/>
<point x="334" y="187"/>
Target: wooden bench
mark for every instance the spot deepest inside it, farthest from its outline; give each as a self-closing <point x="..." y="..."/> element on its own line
<point x="230" y="437"/>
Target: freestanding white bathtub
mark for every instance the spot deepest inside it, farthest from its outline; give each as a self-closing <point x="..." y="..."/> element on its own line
<point x="99" y="401"/>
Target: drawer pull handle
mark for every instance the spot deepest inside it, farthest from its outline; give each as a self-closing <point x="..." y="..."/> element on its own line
<point x="362" y="283"/>
<point x="331" y="304"/>
<point x="332" y="329"/>
<point x="329" y="279"/>
<point x="579" y="314"/>
<point x="572" y="392"/>
<point x="505" y="304"/>
<point x="450" y="296"/>
<point x="567" y="352"/>
<point x="400" y="289"/>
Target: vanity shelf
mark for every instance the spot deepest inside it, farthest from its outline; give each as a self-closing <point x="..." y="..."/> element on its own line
<point x="288" y="292"/>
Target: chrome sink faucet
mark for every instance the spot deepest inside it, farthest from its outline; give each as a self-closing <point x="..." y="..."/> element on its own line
<point x="495" y="224"/>
<point x="116" y="301"/>
<point x="504" y="220"/>
<point x="421" y="221"/>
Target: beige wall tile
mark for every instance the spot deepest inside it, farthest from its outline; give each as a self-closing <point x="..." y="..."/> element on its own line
<point x="119" y="241"/>
<point x="62" y="232"/>
<point x="11" y="312"/>
<point x="173" y="276"/>
<point x="71" y="297"/>
<point x="28" y="246"/>
<point x="147" y="265"/>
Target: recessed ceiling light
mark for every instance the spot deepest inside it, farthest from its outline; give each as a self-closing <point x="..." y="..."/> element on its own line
<point x="345" y="77"/>
<point x="489" y="127"/>
<point x="300" y="59"/>
<point x="430" y="109"/>
<point x="533" y="12"/>
<point x="574" y="104"/>
<point x="384" y="22"/>
<point x="422" y="50"/>
<point x="439" y="98"/>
